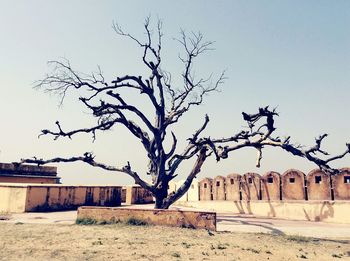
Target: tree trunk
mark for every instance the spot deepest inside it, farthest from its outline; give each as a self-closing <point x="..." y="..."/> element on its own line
<point x="160" y="203"/>
<point x="160" y="195"/>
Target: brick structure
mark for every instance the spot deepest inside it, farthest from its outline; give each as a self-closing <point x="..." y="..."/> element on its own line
<point x="271" y="186"/>
<point x="205" y="189"/>
<point x="250" y="186"/>
<point x="218" y="188"/>
<point x="232" y="183"/>
<point x="318" y="185"/>
<point x="341" y="185"/>
<point x="24" y="173"/>
<point x="293" y="185"/>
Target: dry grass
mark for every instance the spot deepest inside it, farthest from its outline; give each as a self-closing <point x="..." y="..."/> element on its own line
<point x="5" y="215"/>
<point x="126" y="242"/>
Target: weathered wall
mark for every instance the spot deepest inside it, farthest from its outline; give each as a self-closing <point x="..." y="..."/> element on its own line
<point x="341" y="185"/>
<point x="293" y="185"/>
<point x="218" y="188"/>
<point x="232" y="182"/>
<point x="205" y="188"/>
<point x="318" y="185"/>
<point x="24" y="173"/>
<point x="178" y="184"/>
<point x="33" y="179"/>
<point x="193" y="191"/>
<point x="138" y="195"/>
<point x="325" y="211"/>
<point x="27" y="198"/>
<point x="12" y="198"/>
<point x="164" y="217"/>
<point x="250" y="186"/>
<point x="271" y="186"/>
<point x="48" y="198"/>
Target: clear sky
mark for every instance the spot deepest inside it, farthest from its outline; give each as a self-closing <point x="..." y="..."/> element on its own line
<point x="290" y="54"/>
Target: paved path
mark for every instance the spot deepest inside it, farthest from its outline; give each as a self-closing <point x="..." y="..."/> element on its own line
<point x="225" y="222"/>
<point x="237" y="223"/>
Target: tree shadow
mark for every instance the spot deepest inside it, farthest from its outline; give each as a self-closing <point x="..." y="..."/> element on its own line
<point x="266" y="225"/>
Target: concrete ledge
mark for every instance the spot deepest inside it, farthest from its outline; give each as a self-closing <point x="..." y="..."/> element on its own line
<point x="325" y="211"/>
<point x="164" y="217"/>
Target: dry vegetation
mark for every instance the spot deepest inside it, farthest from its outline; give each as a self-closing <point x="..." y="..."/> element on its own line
<point x="126" y="242"/>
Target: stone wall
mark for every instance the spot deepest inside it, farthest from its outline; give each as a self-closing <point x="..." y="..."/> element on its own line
<point x="218" y="188"/>
<point x="205" y="189"/>
<point x="271" y="186"/>
<point x="233" y="182"/>
<point x="137" y="195"/>
<point x="250" y="186"/>
<point x="313" y="210"/>
<point x="30" y="198"/>
<point x="164" y="217"/>
<point x="341" y="185"/>
<point x="25" y="173"/>
<point x="291" y="185"/>
<point x="318" y="185"/>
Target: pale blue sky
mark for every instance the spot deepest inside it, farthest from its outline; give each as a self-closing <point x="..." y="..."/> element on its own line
<point x="290" y="54"/>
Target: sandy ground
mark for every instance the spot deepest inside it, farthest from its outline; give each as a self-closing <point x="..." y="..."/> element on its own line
<point x="124" y="242"/>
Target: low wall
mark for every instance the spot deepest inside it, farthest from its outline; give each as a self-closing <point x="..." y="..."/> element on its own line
<point x="325" y="211"/>
<point x="13" y="199"/>
<point x="164" y="217"/>
<point x="32" y="197"/>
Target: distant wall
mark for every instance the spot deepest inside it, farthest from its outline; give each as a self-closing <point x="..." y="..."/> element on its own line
<point x="233" y="183"/>
<point x="205" y="189"/>
<point x="271" y="186"/>
<point x="28" y="198"/>
<point x="341" y="185"/>
<point x="291" y="185"/>
<point x="250" y="186"/>
<point x="24" y="173"/>
<point x="218" y="188"/>
<point x="318" y="185"/>
<point x="192" y="193"/>
<point x="137" y="195"/>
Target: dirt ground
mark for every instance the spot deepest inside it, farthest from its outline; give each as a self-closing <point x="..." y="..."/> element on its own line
<point x="20" y="241"/>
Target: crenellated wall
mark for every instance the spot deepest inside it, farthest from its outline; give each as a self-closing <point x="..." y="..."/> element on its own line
<point x="291" y="185"/>
<point x="271" y="186"/>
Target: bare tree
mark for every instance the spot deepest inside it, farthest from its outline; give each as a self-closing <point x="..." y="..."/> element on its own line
<point x="109" y="107"/>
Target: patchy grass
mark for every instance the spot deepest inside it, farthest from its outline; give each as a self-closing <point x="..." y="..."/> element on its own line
<point x="176" y="254"/>
<point x="299" y="239"/>
<point x="90" y="221"/>
<point x="119" y="241"/>
<point x="5" y="215"/>
<point x="85" y="221"/>
<point x="136" y="222"/>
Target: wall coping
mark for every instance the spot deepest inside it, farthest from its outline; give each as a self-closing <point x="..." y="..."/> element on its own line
<point x="148" y="209"/>
<point x="21" y="185"/>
